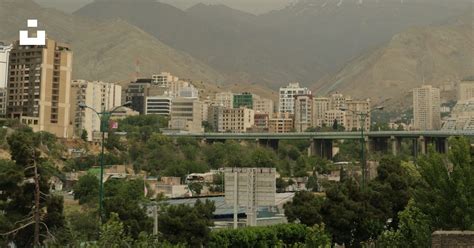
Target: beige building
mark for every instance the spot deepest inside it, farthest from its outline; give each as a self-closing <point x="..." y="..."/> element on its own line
<point x="281" y="123"/>
<point x="353" y="118"/>
<point x="337" y="101"/>
<point x="335" y="115"/>
<point x="98" y="95"/>
<point x="186" y="115"/>
<point x="426" y="108"/>
<point x="163" y="79"/>
<point x="303" y="112"/>
<point x="224" y="99"/>
<point x="287" y="97"/>
<point x="466" y="90"/>
<point x="4" y="61"/>
<point x="320" y="106"/>
<point x="262" y="105"/>
<point x="236" y="120"/>
<point x="39" y="87"/>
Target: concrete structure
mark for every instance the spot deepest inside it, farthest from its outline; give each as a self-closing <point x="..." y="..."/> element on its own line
<point x="158" y="105"/>
<point x="287" y="97"/>
<point x="462" y="116"/>
<point x="466" y="90"/>
<point x="353" y="120"/>
<point x="215" y="116"/>
<point x="186" y="115"/>
<point x="244" y="99"/>
<point x="205" y="109"/>
<point x="452" y="239"/>
<point x="39" y="87"/>
<point x="320" y="106"/>
<point x="303" y="112"/>
<point x="3" y="102"/>
<point x="188" y="91"/>
<point x="137" y="92"/>
<point x="181" y="87"/>
<point x="224" y="99"/>
<point x="280" y="123"/>
<point x="262" y="105"/>
<point x="163" y="79"/>
<point x="97" y="95"/>
<point x="4" y="61"/>
<point x="426" y="108"/>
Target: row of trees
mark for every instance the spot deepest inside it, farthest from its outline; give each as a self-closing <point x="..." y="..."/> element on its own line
<point x="401" y="206"/>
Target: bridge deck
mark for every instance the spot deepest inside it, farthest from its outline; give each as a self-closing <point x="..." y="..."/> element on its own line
<point x="323" y="135"/>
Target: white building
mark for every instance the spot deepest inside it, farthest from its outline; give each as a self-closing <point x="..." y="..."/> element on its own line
<point x="186" y="115"/>
<point x="158" y="105"/>
<point x="462" y="116"/>
<point x="97" y="95"/>
<point x="4" y="60"/>
<point x="426" y="108"/>
<point x="287" y="97"/>
<point x="189" y="91"/>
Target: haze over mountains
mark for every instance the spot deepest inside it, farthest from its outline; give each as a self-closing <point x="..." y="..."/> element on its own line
<point x="330" y="45"/>
<point x="302" y="42"/>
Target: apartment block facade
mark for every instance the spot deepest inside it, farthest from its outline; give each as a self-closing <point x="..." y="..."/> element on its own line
<point x="287" y="97"/>
<point x="39" y="87"/>
<point x="426" y="108"/>
<point x="303" y="112"/>
<point x="186" y="115"/>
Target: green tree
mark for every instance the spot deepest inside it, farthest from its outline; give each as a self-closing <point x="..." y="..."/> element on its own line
<point x="113" y="234"/>
<point x="84" y="135"/>
<point x="445" y="193"/>
<point x="86" y="190"/>
<point x="195" y="188"/>
<point x="281" y="185"/>
<point x="305" y="208"/>
<point x="187" y="224"/>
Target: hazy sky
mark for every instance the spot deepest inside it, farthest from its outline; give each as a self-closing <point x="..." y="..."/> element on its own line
<point x="252" y="6"/>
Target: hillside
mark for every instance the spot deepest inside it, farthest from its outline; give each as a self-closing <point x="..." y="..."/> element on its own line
<point x="304" y="41"/>
<point x="434" y="55"/>
<point x="104" y="50"/>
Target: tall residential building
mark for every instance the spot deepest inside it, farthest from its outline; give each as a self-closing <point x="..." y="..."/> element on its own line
<point x="158" y="105"/>
<point x="186" y="115"/>
<point x="303" y="112"/>
<point x="287" y="97"/>
<point x="97" y="95"/>
<point x="244" y="99"/>
<point x="462" y="116"/>
<point x="280" y="123"/>
<point x="224" y="99"/>
<point x="4" y="60"/>
<point x="262" y="105"/>
<point x="3" y="102"/>
<point x="426" y="108"/>
<point x="466" y="90"/>
<point x="215" y="117"/>
<point x="320" y="106"/>
<point x="353" y="117"/>
<point x="163" y="79"/>
<point x="39" y="87"/>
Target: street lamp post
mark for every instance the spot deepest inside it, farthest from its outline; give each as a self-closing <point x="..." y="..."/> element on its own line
<point x="104" y="117"/>
<point x="362" y="117"/>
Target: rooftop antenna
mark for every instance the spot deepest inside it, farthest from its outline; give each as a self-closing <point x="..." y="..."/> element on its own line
<point x="137" y="69"/>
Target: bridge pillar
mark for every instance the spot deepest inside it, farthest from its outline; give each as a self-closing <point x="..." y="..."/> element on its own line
<point x="321" y="148"/>
<point x="422" y="144"/>
<point x="273" y="143"/>
<point x="441" y="145"/>
<point x="380" y="144"/>
<point x="395" y="145"/>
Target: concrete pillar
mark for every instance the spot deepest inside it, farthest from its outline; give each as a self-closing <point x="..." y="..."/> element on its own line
<point x="446" y="145"/>
<point x="312" y="148"/>
<point x="422" y="144"/>
<point x="395" y="148"/>
<point x="273" y="143"/>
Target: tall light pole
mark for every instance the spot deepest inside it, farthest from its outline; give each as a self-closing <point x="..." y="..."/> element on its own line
<point x="362" y="117"/>
<point x="104" y="117"/>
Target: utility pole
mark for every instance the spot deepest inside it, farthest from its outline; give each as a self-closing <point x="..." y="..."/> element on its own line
<point x="37" y="204"/>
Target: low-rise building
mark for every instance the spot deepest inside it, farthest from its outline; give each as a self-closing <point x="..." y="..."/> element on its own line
<point x="186" y="115"/>
<point x="158" y="105"/>
<point x="237" y="120"/>
<point x="281" y="123"/>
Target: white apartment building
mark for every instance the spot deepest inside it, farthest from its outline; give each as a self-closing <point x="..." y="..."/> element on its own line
<point x="262" y="105"/>
<point x="224" y="99"/>
<point x="189" y="91"/>
<point x="99" y="96"/>
<point x="303" y="112"/>
<point x="287" y="97"/>
<point x="186" y="115"/>
<point x="466" y="90"/>
<point x="426" y="108"/>
<point x="163" y="79"/>
<point x="158" y="105"/>
<point x="4" y="60"/>
<point x="462" y="116"/>
<point x="320" y="106"/>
